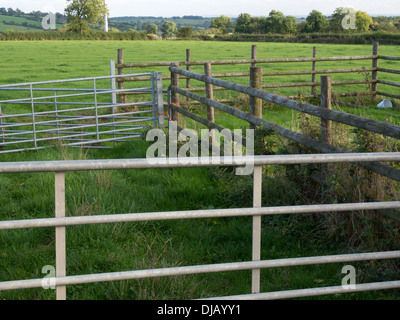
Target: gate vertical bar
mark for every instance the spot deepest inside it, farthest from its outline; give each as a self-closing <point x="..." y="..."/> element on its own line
<point x="61" y="291"/>
<point x="154" y="98"/>
<point x="33" y="115"/>
<point x="56" y="110"/>
<point x="96" y="110"/>
<point x="113" y="95"/>
<point x="160" y="99"/>
<point x="2" y="124"/>
<point x="257" y="197"/>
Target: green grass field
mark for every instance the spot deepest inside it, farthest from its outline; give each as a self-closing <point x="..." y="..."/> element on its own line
<point x="45" y="60"/>
<point x="133" y="246"/>
<point x="52" y="60"/>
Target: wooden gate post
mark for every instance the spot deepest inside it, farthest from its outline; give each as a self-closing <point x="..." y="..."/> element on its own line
<point x="121" y="85"/>
<point x="256" y="78"/>
<point x="375" y="63"/>
<point x="175" y="95"/>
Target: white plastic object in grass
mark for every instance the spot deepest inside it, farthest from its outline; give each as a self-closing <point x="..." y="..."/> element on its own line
<point x="385" y="104"/>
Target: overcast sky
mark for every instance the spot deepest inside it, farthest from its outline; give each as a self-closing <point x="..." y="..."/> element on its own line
<point x="232" y="8"/>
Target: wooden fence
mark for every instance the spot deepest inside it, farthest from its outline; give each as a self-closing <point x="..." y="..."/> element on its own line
<point x="372" y="83"/>
<point x="254" y="117"/>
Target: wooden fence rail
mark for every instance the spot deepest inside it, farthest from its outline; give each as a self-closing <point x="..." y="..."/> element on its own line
<point x="337" y="116"/>
<point x="254" y="61"/>
<point x="245" y="61"/>
<point x="325" y="114"/>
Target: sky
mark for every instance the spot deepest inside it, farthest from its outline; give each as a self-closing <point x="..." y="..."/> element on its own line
<point x="213" y="8"/>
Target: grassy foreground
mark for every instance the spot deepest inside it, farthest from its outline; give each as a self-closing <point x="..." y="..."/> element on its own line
<point x="137" y="246"/>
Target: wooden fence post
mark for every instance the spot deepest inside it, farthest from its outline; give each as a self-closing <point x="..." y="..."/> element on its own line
<point x="253" y="55"/>
<point x="188" y="58"/>
<point x="326" y="102"/>
<point x="314" y="67"/>
<point x="175" y="95"/>
<point x="326" y="125"/>
<point x="210" y="95"/>
<point x="375" y="63"/>
<point x="256" y="78"/>
<point x="209" y="92"/>
<point x="121" y="85"/>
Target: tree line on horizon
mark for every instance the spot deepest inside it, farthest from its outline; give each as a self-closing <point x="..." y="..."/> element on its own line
<point x="83" y="16"/>
<point x="316" y="22"/>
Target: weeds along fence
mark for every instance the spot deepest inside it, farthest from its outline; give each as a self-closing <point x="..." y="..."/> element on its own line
<point x="60" y="280"/>
<point x="255" y="116"/>
<point x="367" y="76"/>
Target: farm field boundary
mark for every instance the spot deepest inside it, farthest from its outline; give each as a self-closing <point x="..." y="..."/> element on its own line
<point x="371" y="80"/>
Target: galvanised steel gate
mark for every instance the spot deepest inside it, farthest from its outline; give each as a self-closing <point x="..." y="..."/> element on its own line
<point x="60" y="222"/>
<point x="79" y="112"/>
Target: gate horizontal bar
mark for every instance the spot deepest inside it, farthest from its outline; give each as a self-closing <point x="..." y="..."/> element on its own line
<point x="195" y="214"/>
<point x="72" y="80"/>
<point x="123" y="164"/>
<point x="163" y="272"/>
<point x="278" y="295"/>
<point x="30" y="99"/>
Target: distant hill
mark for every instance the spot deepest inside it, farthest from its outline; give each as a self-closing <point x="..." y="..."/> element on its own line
<point x="17" y="20"/>
<point x="26" y="22"/>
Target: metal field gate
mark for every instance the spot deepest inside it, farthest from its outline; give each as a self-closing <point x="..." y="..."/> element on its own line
<point x="79" y="112"/>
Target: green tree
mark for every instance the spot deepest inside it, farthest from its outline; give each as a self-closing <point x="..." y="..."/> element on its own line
<point x="151" y="29"/>
<point x="243" y="23"/>
<point x="274" y="22"/>
<point x="277" y="22"/>
<point x="10" y="11"/>
<point x="289" y="25"/>
<point x="363" y="21"/>
<point x="338" y="20"/>
<point x="258" y="24"/>
<point x="168" y="29"/>
<point x="316" y="22"/>
<point x="223" y="24"/>
<point x="185" y="32"/>
<point x="81" y="14"/>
